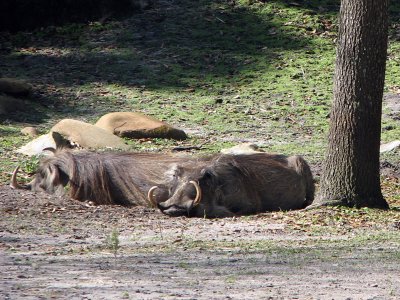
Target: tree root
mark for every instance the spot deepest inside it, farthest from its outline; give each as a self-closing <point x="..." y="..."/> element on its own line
<point x="338" y="202"/>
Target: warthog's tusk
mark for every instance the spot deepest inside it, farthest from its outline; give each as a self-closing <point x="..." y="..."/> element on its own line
<point x="14" y="184"/>
<point x="150" y="196"/>
<point x="198" y="192"/>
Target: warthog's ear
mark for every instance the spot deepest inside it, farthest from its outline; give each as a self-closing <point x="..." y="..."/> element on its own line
<point x="53" y="175"/>
<point x="206" y="174"/>
<point x="56" y="176"/>
<point x="50" y="150"/>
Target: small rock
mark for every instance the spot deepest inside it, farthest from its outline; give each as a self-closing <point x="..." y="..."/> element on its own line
<point x="36" y="146"/>
<point x="245" y="148"/>
<point x="87" y="135"/>
<point x="136" y="125"/>
<point x="389" y="146"/>
<point x="31" y="131"/>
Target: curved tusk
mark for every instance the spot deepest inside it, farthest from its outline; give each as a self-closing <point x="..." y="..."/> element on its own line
<point x="198" y="192"/>
<point x="14" y="184"/>
<point x="150" y="196"/>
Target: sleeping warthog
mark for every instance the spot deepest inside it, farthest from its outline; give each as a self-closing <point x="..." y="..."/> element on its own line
<point x="237" y="185"/>
<point x="103" y="178"/>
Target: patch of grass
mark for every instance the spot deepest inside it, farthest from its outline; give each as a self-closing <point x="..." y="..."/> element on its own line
<point x="231" y="279"/>
<point x="31" y="164"/>
<point x="184" y="265"/>
<point x="112" y="242"/>
<point x="10" y="140"/>
<point x="125" y="295"/>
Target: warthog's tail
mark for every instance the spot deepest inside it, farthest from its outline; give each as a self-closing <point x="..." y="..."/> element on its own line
<point x="302" y="168"/>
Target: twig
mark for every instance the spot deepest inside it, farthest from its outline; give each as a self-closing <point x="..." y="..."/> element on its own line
<point x="220" y="20"/>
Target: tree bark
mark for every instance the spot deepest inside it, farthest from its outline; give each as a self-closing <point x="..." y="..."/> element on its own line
<point x="351" y="172"/>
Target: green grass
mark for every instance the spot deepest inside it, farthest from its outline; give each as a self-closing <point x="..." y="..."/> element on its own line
<point x="249" y="71"/>
<point x="112" y="242"/>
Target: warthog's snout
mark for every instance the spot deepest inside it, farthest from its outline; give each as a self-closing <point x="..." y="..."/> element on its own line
<point x="173" y="210"/>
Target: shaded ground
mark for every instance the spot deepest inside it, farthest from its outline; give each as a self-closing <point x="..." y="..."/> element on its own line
<point x="56" y="248"/>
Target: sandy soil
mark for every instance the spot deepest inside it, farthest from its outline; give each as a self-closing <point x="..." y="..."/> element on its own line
<point x="57" y="248"/>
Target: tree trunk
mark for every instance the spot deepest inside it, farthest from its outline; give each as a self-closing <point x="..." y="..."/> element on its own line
<point x="351" y="171"/>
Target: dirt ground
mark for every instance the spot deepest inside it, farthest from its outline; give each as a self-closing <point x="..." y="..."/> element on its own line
<point x="57" y="248"/>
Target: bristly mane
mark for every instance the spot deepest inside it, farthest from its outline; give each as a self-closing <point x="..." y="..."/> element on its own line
<point x="112" y="178"/>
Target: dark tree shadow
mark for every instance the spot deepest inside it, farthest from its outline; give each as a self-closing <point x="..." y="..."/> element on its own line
<point x="168" y="46"/>
<point x="18" y="15"/>
<point x="29" y="109"/>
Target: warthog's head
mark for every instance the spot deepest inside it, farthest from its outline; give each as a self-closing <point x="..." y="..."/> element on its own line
<point x="230" y="185"/>
<point x="185" y="192"/>
<point x="48" y="179"/>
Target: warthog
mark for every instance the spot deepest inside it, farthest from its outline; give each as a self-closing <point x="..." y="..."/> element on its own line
<point x="230" y="185"/>
<point x="103" y="178"/>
